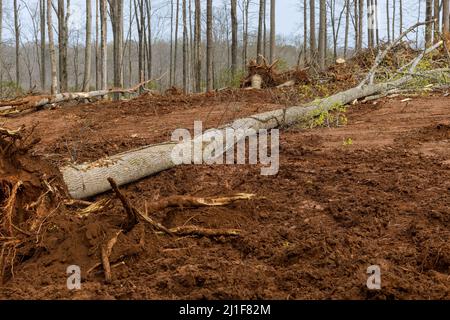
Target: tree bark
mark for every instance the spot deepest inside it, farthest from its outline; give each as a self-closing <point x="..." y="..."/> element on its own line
<point x="428" y="26"/>
<point x="437" y="20"/>
<point x="197" y="41"/>
<point x="347" y="26"/>
<point x="388" y="24"/>
<point x="445" y="16"/>
<point x="62" y="45"/>
<point x="312" y="31"/>
<point x="42" y="45"/>
<point x="175" y="58"/>
<point x="322" y="34"/>
<point x="103" y="45"/>
<point x="209" y="46"/>
<point x="86" y="180"/>
<point x="1" y="47"/>
<point x="234" y="39"/>
<point x="360" y="23"/>
<point x="259" y="40"/>
<point x="17" y="42"/>
<point x="52" y="52"/>
<point x="116" y="9"/>
<point x="185" y="48"/>
<point x="272" y="30"/>
<point x="88" y="48"/>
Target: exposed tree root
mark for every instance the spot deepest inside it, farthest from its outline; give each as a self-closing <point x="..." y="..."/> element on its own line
<point x="106" y="253"/>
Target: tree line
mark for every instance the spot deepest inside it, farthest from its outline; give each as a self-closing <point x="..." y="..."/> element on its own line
<point x="207" y="44"/>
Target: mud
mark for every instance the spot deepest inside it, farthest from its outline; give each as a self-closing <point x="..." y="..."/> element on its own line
<point x="333" y="210"/>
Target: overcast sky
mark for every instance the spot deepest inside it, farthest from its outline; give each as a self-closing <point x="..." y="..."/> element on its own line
<point x="289" y="15"/>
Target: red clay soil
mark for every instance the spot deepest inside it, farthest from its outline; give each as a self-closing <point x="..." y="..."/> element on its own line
<point x="333" y="210"/>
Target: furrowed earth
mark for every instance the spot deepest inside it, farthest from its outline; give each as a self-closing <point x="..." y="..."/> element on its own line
<point x="375" y="191"/>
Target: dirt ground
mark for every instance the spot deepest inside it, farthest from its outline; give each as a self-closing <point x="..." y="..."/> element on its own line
<point x="333" y="210"/>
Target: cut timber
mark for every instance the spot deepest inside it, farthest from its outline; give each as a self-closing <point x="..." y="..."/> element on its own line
<point x="32" y="102"/>
<point x="89" y="179"/>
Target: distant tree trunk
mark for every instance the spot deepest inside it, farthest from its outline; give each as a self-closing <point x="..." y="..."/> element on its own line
<point x="198" y="40"/>
<point x="1" y="46"/>
<point x="312" y="31"/>
<point x="305" y="31"/>
<point x="322" y="33"/>
<point x="437" y="21"/>
<point x="138" y="10"/>
<point x="388" y="24"/>
<point x="347" y="26"/>
<point x="369" y="24"/>
<point x="272" y="30"/>
<point x="171" y="44"/>
<point x="393" y="18"/>
<point x="360" y="23"/>
<point x="185" y="49"/>
<point x="209" y="46"/>
<point x="429" y="26"/>
<point x="148" y="5"/>
<point x="377" y="32"/>
<point x="400" y="9"/>
<point x="51" y="47"/>
<point x="116" y="9"/>
<point x="246" y="6"/>
<point x="445" y="16"/>
<point x="17" y="37"/>
<point x="356" y="23"/>
<point x="103" y="45"/>
<point x="88" y="48"/>
<point x="175" y="58"/>
<point x="42" y="45"/>
<point x="62" y="45"/>
<point x="259" y="44"/>
<point x="97" y="48"/>
<point x="234" y="38"/>
<point x="264" y="42"/>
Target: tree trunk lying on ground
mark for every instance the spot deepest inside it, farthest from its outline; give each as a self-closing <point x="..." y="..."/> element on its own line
<point x="32" y="102"/>
<point x="89" y="179"/>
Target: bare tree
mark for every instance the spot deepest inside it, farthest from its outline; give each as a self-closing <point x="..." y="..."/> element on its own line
<point x="322" y="33"/>
<point x="97" y="47"/>
<point x="148" y="6"/>
<point x="347" y="26"/>
<point x="209" y="46"/>
<point x="428" y="26"/>
<point x="87" y="54"/>
<point x="360" y="23"/>
<point x="1" y="46"/>
<point x="445" y="16"/>
<point x="51" y="47"/>
<point x="245" y="14"/>
<point x="185" y="48"/>
<point x="42" y="45"/>
<point x="312" y="30"/>
<point x="388" y="24"/>
<point x="234" y="35"/>
<point x="17" y="37"/>
<point x="259" y="43"/>
<point x="197" y="41"/>
<point x="175" y="54"/>
<point x="62" y="44"/>
<point x="103" y="45"/>
<point x="437" y="20"/>
<point x="400" y="9"/>
<point x="116" y="13"/>
<point x="272" y="30"/>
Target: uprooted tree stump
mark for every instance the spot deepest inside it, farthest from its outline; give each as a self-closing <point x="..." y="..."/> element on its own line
<point x="270" y="77"/>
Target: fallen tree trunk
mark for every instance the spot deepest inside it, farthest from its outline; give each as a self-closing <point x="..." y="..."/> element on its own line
<point x="89" y="179"/>
<point x="32" y="102"/>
